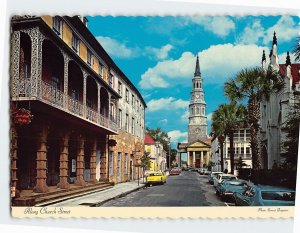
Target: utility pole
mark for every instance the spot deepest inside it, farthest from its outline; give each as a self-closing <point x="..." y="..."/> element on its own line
<point x="169" y="152"/>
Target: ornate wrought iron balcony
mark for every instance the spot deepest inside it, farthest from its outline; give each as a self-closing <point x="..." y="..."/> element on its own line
<point x="57" y="98"/>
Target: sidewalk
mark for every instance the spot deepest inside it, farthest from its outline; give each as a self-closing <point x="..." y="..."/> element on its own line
<point x="101" y="197"/>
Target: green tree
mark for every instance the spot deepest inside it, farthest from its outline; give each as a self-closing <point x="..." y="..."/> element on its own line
<point x="290" y="145"/>
<point x="253" y="85"/>
<point x="296" y="49"/>
<point x="226" y="119"/>
<point x="162" y="137"/>
<point x="145" y="160"/>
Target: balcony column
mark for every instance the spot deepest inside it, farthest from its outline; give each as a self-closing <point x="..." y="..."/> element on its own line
<point x="37" y="39"/>
<point x="194" y="158"/>
<point x="66" y="80"/>
<point x="188" y="158"/>
<point x="80" y="160"/>
<point x="15" y="63"/>
<point x="93" y="162"/>
<point x="13" y="156"/>
<point x="63" y="160"/>
<point x="41" y="159"/>
<point x="201" y="158"/>
<point x="109" y="110"/>
<point x="103" y="159"/>
<point x="99" y="104"/>
<point x="84" y="93"/>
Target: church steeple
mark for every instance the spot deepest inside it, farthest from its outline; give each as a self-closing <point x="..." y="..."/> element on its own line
<point x="197" y="129"/>
<point x="197" y="69"/>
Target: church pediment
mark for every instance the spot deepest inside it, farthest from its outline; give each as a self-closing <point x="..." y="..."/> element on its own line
<point x="198" y="143"/>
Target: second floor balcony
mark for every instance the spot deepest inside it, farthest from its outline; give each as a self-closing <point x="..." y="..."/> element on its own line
<point x="55" y="79"/>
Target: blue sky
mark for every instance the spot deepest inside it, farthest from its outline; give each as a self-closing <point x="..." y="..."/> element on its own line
<point x="158" y="55"/>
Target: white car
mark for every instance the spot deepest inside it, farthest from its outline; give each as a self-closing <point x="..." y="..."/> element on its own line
<point x="220" y="177"/>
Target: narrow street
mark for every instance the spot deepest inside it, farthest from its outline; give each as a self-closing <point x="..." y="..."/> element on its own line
<point x="187" y="189"/>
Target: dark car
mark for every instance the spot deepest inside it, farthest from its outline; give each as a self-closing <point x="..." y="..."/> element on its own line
<point x="227" y="188"/>
<point x="263" y="195"/>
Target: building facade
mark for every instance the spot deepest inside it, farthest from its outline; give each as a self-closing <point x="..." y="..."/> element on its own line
<point x="275" y="110"/>
<point x="64" y="108"/>
<point x="157" y="154"/>
<point x="198" y="146"/>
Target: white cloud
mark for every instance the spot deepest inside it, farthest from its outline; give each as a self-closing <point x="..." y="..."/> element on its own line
<point x="159" y="53"/>
<point x="219" y="25"/>
<point x="166" y="104"/>
<point x="218" y="63"/>
<point x="185" y="117"/>
<point x="286" y="29"/>
<point x="252" y="33"/>
<point x="116" y="48"/>
<point x="169" y="70"/>
<point x="209" y="116"/>
<point x="163" y="121"/>
<point x="177" y="135"/>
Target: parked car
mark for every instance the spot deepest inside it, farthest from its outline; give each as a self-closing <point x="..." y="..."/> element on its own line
<point x="220" y="177"/>
<point x="211" y="176"/>
<point x="202" y="171"/>
<point x="156" y="178"/>
<point x="227" y="188"/>
<point x="207" y="172"/>
<point x="263" y="195"/>
<point x="175" y="171"/>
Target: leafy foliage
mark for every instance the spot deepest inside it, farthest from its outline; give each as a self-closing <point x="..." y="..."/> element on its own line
<point x="296" y="49"/>
<point x="226" y="119"/>
<point x="290" y="145"/>
<point x="254" y="85"/>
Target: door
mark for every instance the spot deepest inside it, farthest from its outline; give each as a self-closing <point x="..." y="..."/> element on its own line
<point x="119" y="168"/>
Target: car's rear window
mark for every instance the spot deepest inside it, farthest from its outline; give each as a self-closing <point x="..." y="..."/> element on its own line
<point x="278" y="195"/>
<point x="235" y="183"/>
<point x="228" y="177"/>
<point x="155" y="174"/>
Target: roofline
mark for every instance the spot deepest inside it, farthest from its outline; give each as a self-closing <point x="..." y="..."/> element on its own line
<point x="94" y="42"/>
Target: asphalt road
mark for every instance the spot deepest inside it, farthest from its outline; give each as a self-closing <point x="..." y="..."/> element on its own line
<point x="187" y="189"/>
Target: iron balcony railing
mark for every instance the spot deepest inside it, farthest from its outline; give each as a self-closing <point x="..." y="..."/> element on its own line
<point x="57" y="98"/>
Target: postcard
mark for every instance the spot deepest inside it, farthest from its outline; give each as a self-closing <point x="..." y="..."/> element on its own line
<point x="150" y="116"/>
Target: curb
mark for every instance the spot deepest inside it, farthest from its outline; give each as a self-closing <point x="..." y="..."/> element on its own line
<point x="97" y="204"/>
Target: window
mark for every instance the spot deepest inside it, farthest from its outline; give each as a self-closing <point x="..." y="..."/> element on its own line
<point x="247" y="134"/>
<point x="247" y="151"/>
<point x="111" y="163"/>
<point x="127" y="123"/>
<point x="126" y="164"/>
<point x="242" y="150"/>
<point x="111" y="80"/>
<point x="127" y="95"/>
<point x="120" y="119"/>
<point x="75" y="43"/>
<point x="132" y="101"/>
<point x="89" y="57"/>
<point x="120" y="88"/>
<point x="132" y="126"/>
<point x="100" y="69"/>
<point x="137" y="105"/>
<point x="57" y="25"/>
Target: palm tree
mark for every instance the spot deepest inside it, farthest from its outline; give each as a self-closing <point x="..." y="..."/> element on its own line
<point x="253" y="85"/>
<point x="296" y="49"/>
<point x="225" y="120"/>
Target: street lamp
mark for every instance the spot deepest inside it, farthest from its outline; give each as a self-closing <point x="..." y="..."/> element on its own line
<point x="169" y="152"/>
